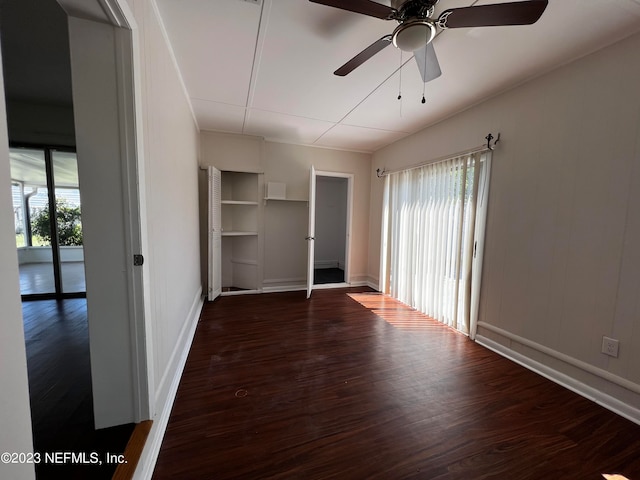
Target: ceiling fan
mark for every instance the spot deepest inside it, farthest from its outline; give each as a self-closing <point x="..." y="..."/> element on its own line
<point x="416" y="29"/>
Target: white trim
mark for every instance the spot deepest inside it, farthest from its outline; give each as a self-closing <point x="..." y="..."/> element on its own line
<point x="326" y="286"/>
<point x="364" y="283"/>
<point x="284" y="288"/>
<point x="180" y="350"/>
<point x="598" y="396"/>
<point x="151" y="449"/>
<point x="125" y="52"/>
<point x="373" y="282"/>
<point x="373" y="285"/>
<point x="350" y="179"/>
<point x="291" y="280"/>
<point x="599" y="372"/>
<point x="119" y="13"/>
<point x="232" y="293"/>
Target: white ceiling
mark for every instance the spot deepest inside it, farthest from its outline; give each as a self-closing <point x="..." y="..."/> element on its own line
<point x="266" y="68"/>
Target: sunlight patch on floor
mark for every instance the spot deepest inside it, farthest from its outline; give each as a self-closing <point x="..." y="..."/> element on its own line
<point x="395" y="313"/>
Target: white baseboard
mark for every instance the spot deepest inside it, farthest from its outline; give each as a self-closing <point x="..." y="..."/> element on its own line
<point x="279" y="285"/>
<point x="284" y="288"/>
<point x="367" y="282"/>
<point x="360" y="283"/>
<point x="164" y="403"/>
<point x="285" y="281"/>
<point x="327" y="286"/>
<point x="232" y="293"/>
<point x="596" y="395"/>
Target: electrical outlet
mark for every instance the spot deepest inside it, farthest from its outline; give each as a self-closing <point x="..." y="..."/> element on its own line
<point x="610" y="346"/>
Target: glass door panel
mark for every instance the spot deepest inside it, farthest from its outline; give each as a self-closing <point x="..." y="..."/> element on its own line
<point x="68" y="218"/>
<point x="32" y="226"/>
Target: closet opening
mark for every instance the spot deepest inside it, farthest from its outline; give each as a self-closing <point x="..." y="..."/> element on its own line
<point x="329" y="229"/>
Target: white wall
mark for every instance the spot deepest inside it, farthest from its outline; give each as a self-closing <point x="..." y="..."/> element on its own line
<point x="285" y="225"/>
<point x="291" y="164"/>
<point x="561" y="264"/>
<point x="170" y="202"/>
<point x="15" y="416"/>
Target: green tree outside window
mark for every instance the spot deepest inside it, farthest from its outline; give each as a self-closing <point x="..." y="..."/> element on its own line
<point x="69" y="224"/>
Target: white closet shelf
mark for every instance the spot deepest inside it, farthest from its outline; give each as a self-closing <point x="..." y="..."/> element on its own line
<point x="239" y="234"/>
<point x="286" y="199"/>
<point x="238" y="202"/>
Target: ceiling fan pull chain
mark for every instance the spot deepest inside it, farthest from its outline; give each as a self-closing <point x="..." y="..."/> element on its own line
<point x="425" y="72"/>
<point x="400" y="86"/>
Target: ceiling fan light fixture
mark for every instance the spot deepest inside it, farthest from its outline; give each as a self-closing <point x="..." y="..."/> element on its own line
<point x="413" y="35"/>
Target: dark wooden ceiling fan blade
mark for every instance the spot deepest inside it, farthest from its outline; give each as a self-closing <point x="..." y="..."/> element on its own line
<point x="512" y="13"/>
<point x="363" y="56"/>
<point x="365" y="7"/>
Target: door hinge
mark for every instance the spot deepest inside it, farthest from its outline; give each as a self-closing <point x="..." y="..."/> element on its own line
<point x="138" y="260"/>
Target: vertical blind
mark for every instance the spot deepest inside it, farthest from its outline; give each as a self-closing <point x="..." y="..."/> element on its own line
<point x="429" y="234"/>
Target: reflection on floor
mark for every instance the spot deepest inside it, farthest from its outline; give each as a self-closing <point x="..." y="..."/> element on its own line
<point x="57" y="343"/>
<point x="38" y="278"/>
<point x="328" y="275"/>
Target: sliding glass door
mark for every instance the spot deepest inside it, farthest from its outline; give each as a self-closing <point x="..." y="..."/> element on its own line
<point x="50" y="252"/>
<point x="33" y="236"/>
<point x="68" y="221"/>
<point x="433" y="229"/>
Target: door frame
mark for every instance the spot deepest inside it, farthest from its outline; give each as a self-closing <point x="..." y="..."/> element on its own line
<point x="126" y="50"/>
<point x="214" y="235"/>
<point x="347" y="258"/>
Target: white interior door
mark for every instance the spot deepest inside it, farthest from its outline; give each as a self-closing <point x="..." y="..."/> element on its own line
<point x="312" y="230"/>
<point x="215" y="234"/>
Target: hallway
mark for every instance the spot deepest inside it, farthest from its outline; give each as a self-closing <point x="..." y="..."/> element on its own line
<point x="57" y="342"/>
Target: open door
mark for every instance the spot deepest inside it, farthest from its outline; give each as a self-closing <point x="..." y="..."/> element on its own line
<point x="312" y="230"/>
<point x="215" y="234"/>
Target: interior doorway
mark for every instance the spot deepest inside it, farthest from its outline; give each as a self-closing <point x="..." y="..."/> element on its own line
<point x="331" y="230"/>
<point x="330" y="198"/>
<point x="87" y="53"/>
<point x="45" y="177"/>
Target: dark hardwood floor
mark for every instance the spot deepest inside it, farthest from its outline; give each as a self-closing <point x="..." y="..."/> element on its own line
<point x="352" y="385"/>
<point x="57" y="343"/>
